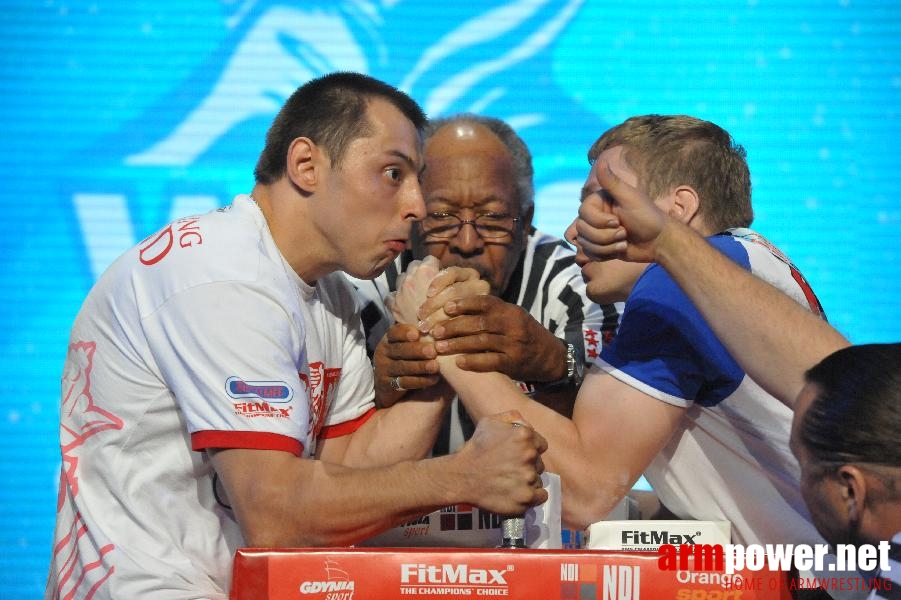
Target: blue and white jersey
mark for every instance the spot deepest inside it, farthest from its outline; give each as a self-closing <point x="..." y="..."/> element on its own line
<point x="730" y="460"/>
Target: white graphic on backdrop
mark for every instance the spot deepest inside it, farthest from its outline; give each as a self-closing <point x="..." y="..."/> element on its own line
<point x="285" y="46"/>
<point x="491" y="24"/>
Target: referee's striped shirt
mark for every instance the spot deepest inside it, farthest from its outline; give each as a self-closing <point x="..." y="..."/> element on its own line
<point x="887" y="584"/>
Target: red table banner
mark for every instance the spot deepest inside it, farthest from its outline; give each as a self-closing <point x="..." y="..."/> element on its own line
<point x="445" y="573"/>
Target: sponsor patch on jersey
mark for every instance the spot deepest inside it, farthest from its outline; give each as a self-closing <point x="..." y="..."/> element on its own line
<point x="270" y="391"/>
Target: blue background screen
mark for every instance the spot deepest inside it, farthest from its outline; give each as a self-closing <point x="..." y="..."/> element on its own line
<point x="117" y="117"/>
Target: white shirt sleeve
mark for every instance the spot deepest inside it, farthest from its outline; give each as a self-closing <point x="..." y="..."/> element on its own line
<point x="230" y="353"/>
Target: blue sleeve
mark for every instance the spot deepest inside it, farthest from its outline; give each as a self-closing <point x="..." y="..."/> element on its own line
<point x="665" y="347"/>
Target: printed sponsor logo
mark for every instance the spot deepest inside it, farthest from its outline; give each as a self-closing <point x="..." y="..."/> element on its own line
<point x="417" y="527"/>
<point x="270" y="391"/>
<point x="622" y="582"/>
<point x="262" y="409"/>
<point x="321" y="384"/>
<point x="452" y="580"/>
<point x="656" y="537"/>
<point x="724" y="580"/>
<point x="690" y="594"/>
<point x="328" y="587"/>
<point x="587" y="582"/>
<point x="335" y="584"/>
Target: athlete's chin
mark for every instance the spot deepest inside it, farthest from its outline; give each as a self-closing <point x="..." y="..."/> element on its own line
<point x="376" y="268"/>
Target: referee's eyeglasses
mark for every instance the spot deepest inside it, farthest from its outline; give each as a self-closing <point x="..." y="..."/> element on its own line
<point x="441" y="226"/>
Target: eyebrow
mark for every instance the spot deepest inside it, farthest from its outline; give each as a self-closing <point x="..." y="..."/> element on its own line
<point x="477" y="203"/>
<point x="412" y="163"/>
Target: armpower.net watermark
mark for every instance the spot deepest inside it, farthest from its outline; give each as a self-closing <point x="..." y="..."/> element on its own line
<point x="801" y="559"/>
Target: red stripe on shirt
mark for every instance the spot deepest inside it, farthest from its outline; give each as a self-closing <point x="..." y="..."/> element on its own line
<point x="345" y="428"/>
<point x="254" y="440"/>
<point x="812" y="301"/>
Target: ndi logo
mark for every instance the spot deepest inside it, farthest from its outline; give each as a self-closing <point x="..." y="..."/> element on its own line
<point x="271" y="391"/>
<point x="585" y="581"/>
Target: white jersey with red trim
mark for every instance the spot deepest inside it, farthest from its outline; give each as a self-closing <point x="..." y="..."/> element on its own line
<point x="199" y="337"/>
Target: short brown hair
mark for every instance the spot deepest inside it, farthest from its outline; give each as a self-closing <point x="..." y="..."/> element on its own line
<point x="331" y="111"/>
<point x="666" y="151"/>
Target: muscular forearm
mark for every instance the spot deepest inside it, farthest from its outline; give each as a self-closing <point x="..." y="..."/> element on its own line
<point x="282" y="500"/>
<point x="559" y="398"/>
<point x="771" y="336"/>
<point x="405" y="431"/>
<point x="590" y="489"/>
<point x="485" y="393"/>
<point x="292" y="502"/>
<point x="386" y="497"/>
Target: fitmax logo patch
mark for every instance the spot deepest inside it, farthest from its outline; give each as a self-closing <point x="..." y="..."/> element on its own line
<point x="271" y="391"/>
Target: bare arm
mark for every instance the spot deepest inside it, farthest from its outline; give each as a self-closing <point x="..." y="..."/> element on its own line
<point x="284" y="501"/>
<point x="614" y="434"/>
<point x="773" y="338"/>
<point x="405" y="431"/>
<point x="486" y="334"/>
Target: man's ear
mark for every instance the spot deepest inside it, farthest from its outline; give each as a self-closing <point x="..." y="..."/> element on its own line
<point x="303" y="164"/>
<point x="853" y="491"/>
<point x="686" y="204"/>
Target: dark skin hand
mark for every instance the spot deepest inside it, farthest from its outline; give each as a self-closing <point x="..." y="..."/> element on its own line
<point x="487" y="334"/>
<point x="407" y="352"/>
<point x="402" y="354"/>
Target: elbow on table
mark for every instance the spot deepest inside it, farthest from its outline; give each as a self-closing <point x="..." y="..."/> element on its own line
<point x="580" y="510"/>
<point x="290" y="537"/>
